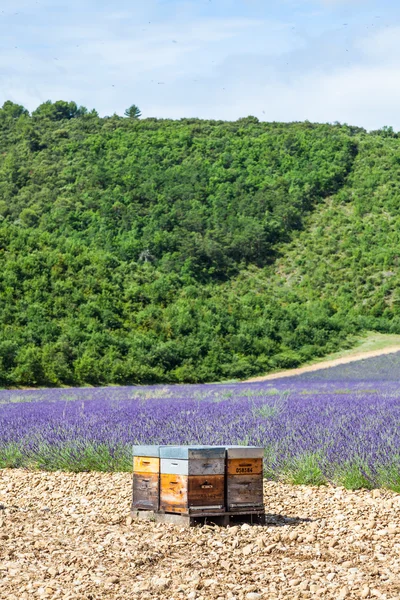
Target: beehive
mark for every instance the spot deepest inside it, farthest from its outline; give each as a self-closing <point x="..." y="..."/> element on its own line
<point x="146" y="478"/>
<point x="192" y="479"/>
<point x="244" y="478"/>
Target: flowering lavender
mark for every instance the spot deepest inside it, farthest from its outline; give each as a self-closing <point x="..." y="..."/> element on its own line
<point x="380" y="368"/>
<point x="313" y="431"/>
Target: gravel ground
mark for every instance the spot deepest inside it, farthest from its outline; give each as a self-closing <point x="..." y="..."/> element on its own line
<point x="70" y="536"/>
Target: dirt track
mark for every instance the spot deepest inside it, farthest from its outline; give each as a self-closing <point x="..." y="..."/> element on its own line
<point x="68" y="536"/>
<point x="327" y="363"/>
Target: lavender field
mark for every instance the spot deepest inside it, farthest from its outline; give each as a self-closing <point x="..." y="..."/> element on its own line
<point x="314" y="429"/>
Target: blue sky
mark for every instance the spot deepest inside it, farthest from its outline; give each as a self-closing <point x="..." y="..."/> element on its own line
<point x="321" y="60"/>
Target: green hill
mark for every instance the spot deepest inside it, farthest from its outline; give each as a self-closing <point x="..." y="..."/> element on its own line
<point x="150" y="250"/>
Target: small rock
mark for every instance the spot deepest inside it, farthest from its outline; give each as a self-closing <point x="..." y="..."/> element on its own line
<point x="233" y="530"/>
<point x="253" y="596"/>
<point x="365" y="592"/>
<point x="200" y="542"/>
<point x="247" y="550"/>
<point x="161" y="583"/>
<point x="344" y="592"/>
<point x="304" y="585"/>
<point x="347" y="564"/>
<point x="245" y="526"/>
<point x="209" y="582"/>
<point x="13" y="572"/>
<point x="113" y="579"/>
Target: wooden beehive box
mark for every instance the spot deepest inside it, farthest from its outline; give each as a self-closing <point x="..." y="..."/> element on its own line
<point x="244" y="478"/>
<point x="146" y="478"/>
<point x="192" y="479"/>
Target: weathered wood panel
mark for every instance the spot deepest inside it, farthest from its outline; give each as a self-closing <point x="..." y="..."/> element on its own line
<point x="244" y="490"/>
<point x="146" y="451"/>
<point x="192" y="452"/>
<point x="181" y="493"/>
<point x="146" y="464"/>
<point x="244" y="452"/>
<point x="206" y="490"/>
<point x="173" y="492"/>
<point x="145" y="491"/>
<point x="245" y="466"/>
<point x="203" y="466"/>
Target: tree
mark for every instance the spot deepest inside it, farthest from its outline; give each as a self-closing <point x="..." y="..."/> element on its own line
<point x="60" y="110"/>
<point x="10" y="109"/>
<point x="133" y="112"/>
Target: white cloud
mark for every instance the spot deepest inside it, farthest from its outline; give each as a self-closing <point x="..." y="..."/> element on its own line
<point x="382" y="46"/>
<point x="365" y="94"/>
<point x="211" y="66"/>
<point x="84" y="62"/>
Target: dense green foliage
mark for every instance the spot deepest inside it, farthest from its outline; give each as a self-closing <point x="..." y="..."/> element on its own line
<point x="137" y="251"/>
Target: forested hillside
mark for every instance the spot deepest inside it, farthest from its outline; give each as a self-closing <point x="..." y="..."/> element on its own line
<point x="136" y="251"/>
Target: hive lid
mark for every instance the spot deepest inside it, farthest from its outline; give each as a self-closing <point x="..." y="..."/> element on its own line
<point x="146" y="451"/>
<point x="192" y="452"/>
<point x="244" y="452"/>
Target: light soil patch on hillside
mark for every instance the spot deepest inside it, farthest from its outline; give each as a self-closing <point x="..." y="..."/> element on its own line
<point x="356" y="356"/>
<point x="69" y="536"/>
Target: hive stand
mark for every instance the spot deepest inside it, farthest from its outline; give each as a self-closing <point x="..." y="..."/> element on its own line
<point x="190" y="520"/>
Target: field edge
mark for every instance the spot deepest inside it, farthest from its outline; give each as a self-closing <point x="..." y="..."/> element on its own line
<point x="371" y="345"/>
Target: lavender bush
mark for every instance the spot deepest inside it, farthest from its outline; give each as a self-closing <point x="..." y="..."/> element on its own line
<point x="379" y="368"/>
<point x="313" y="431"/>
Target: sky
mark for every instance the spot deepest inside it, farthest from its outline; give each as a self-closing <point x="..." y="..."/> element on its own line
<point x="286" y="60"/>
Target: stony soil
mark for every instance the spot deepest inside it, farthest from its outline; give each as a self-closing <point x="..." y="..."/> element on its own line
<point x="70" y="536"/>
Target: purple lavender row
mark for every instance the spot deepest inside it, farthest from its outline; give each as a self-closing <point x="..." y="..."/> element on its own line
<point x="323" y="427"/>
